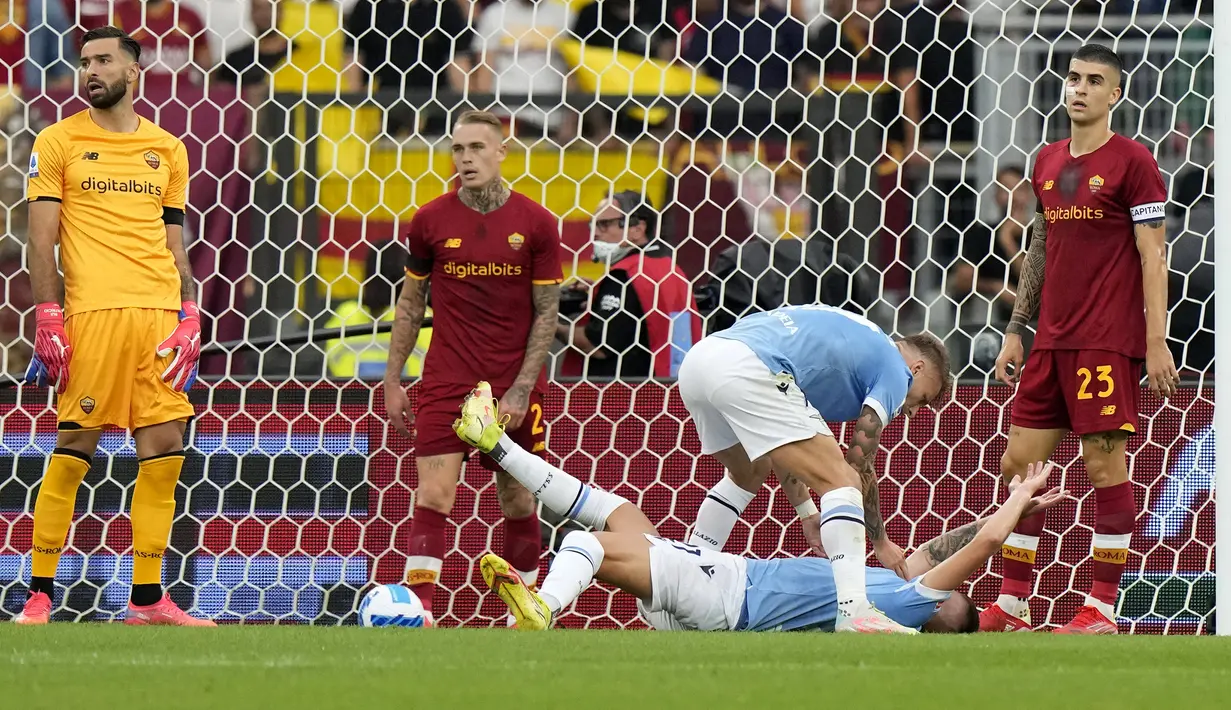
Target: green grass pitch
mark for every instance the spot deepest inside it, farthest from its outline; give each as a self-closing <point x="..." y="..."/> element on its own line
<point x="99" y="666"/>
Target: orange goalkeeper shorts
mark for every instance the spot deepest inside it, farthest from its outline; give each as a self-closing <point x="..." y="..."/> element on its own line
<point x="115" y="374"/>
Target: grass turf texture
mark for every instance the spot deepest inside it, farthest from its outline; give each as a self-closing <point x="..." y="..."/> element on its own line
<point x="111" y="666"/>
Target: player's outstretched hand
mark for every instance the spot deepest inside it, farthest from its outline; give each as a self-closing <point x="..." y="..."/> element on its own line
<point x="397" y="406"/>
<point x="514" y="404"/>
<point x="1036" y="478"/>
<point x="1012" y="353"/>
<point x="185" y="342"/>
<point x="1160" y="370"/>
<point x="891" y="557"/>
<point x="52" y="352"/>
<point x="1042" y="502"/>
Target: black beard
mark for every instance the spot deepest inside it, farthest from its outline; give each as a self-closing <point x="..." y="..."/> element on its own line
<point x="112" y="96"/>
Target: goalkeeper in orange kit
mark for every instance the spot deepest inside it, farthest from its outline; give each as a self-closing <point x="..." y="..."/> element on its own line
<point x="110" y="188"/>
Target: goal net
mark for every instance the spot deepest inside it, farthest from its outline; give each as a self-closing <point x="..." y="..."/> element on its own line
<point x="885" y="186"/>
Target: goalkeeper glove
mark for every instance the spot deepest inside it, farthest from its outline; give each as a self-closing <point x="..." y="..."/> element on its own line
<point x="185" y="342"/>
<point x="49" y="366"/>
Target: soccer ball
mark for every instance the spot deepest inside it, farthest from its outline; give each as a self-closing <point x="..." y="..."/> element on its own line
<point x="393" y="605"/>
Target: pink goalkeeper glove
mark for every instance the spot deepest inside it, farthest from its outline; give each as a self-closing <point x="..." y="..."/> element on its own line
<point x="49" y="366"/>
<point x="185" y="342"/>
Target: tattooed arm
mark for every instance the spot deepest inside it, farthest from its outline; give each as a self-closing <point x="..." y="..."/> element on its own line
<point x="949" y="560"/>
<point x="408" y="317"/>
<point x="542" y="333"/>
<point x="862" y="457"/>
<point x="175" y="243"/>
<point x="1030" y="286"/>
<point x="943" y="546"/>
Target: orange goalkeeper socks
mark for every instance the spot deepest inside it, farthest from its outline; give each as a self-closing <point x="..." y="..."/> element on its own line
<point x="153" y="509"/>
<point x="53" y="512"/>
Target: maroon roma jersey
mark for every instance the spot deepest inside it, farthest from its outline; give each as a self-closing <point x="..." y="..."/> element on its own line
<point x="482" y="269"/>
<point x="1092" y="293"/>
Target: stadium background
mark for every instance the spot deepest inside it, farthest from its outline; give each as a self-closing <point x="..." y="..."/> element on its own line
<point x="296" y="493"/>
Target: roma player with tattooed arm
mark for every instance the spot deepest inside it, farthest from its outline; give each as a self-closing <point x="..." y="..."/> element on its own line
<point x="697" y="588"/>
<point x="110" y="188"/>
<point x="1096" y="274"/>
<point x="492" y="257"/>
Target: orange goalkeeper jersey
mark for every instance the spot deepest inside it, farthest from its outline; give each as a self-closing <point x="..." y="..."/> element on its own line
<point x="113" y="189"/>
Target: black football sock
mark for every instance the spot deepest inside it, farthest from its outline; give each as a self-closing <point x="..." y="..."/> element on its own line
<point x="46" y="585"/>
<point x="146" y="594"/>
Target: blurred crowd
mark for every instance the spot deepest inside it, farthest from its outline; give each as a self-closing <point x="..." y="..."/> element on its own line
<point x="835" y="218"/>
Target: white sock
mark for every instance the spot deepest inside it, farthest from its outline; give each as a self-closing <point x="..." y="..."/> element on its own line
<point x="1107" y="610"/>
<point x="1013" y="606"/>
<point x="572" y="571"/>
<point x="559" y="492"/>
<point x="531" y="578"/>
<point x="845" y="541"/>
<point x="716" y="517"/>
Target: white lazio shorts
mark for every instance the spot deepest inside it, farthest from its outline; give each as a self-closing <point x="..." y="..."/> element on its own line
<point x="694" y="589"/>
<point x="734" y="399"/>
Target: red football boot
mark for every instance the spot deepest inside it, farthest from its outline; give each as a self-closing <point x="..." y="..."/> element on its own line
<point x="996" y="620"/>
<point x="1091" y="622"/>
<point x="37" y="610"/>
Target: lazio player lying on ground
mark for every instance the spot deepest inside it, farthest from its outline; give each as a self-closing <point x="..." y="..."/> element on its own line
<point x="682" y="587"/>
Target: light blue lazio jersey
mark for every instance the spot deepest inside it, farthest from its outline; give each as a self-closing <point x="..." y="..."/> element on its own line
<point x="841" y="361"/>
<point x="800" y="595"/>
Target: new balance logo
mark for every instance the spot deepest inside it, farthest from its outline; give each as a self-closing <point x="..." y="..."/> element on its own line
<point x="1108" y="411"/>
<point x="453" y="243"/>
<point x="89" y="155"/>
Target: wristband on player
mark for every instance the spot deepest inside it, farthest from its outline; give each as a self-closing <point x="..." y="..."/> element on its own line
<point x="49" y="313"/>
<point x="806" y="509"/>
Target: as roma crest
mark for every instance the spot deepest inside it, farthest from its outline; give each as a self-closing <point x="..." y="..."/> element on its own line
<point x="516" y="240"/>
<point x="1096" y="184"/>
<point x="151" y="159"/>
<point x="87" y="404"/>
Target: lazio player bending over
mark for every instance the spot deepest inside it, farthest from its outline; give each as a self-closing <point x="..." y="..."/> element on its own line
<point x="682" y="587"/>
<point x="110" y="187"/>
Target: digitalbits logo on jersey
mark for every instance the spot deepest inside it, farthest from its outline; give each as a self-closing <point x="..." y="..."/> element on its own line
<point x="463" y="270"/>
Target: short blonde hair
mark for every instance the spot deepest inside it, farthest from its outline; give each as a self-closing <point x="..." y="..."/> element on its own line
<point x="485" y="118"/>
<point x="932" y="349"/>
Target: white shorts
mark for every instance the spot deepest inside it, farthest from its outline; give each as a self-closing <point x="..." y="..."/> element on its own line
<point x="734" y="399"/>
<point x="694" y="589"/>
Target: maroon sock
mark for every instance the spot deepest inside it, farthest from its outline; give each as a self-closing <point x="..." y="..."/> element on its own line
<point x="1113" y="529"/>
<point x="1018" y="553"/>
<point x="523" y="544"/>
<point x="425" y="555"/>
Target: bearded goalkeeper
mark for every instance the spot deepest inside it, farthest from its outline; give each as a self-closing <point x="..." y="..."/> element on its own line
<point x="110" y="188"/>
